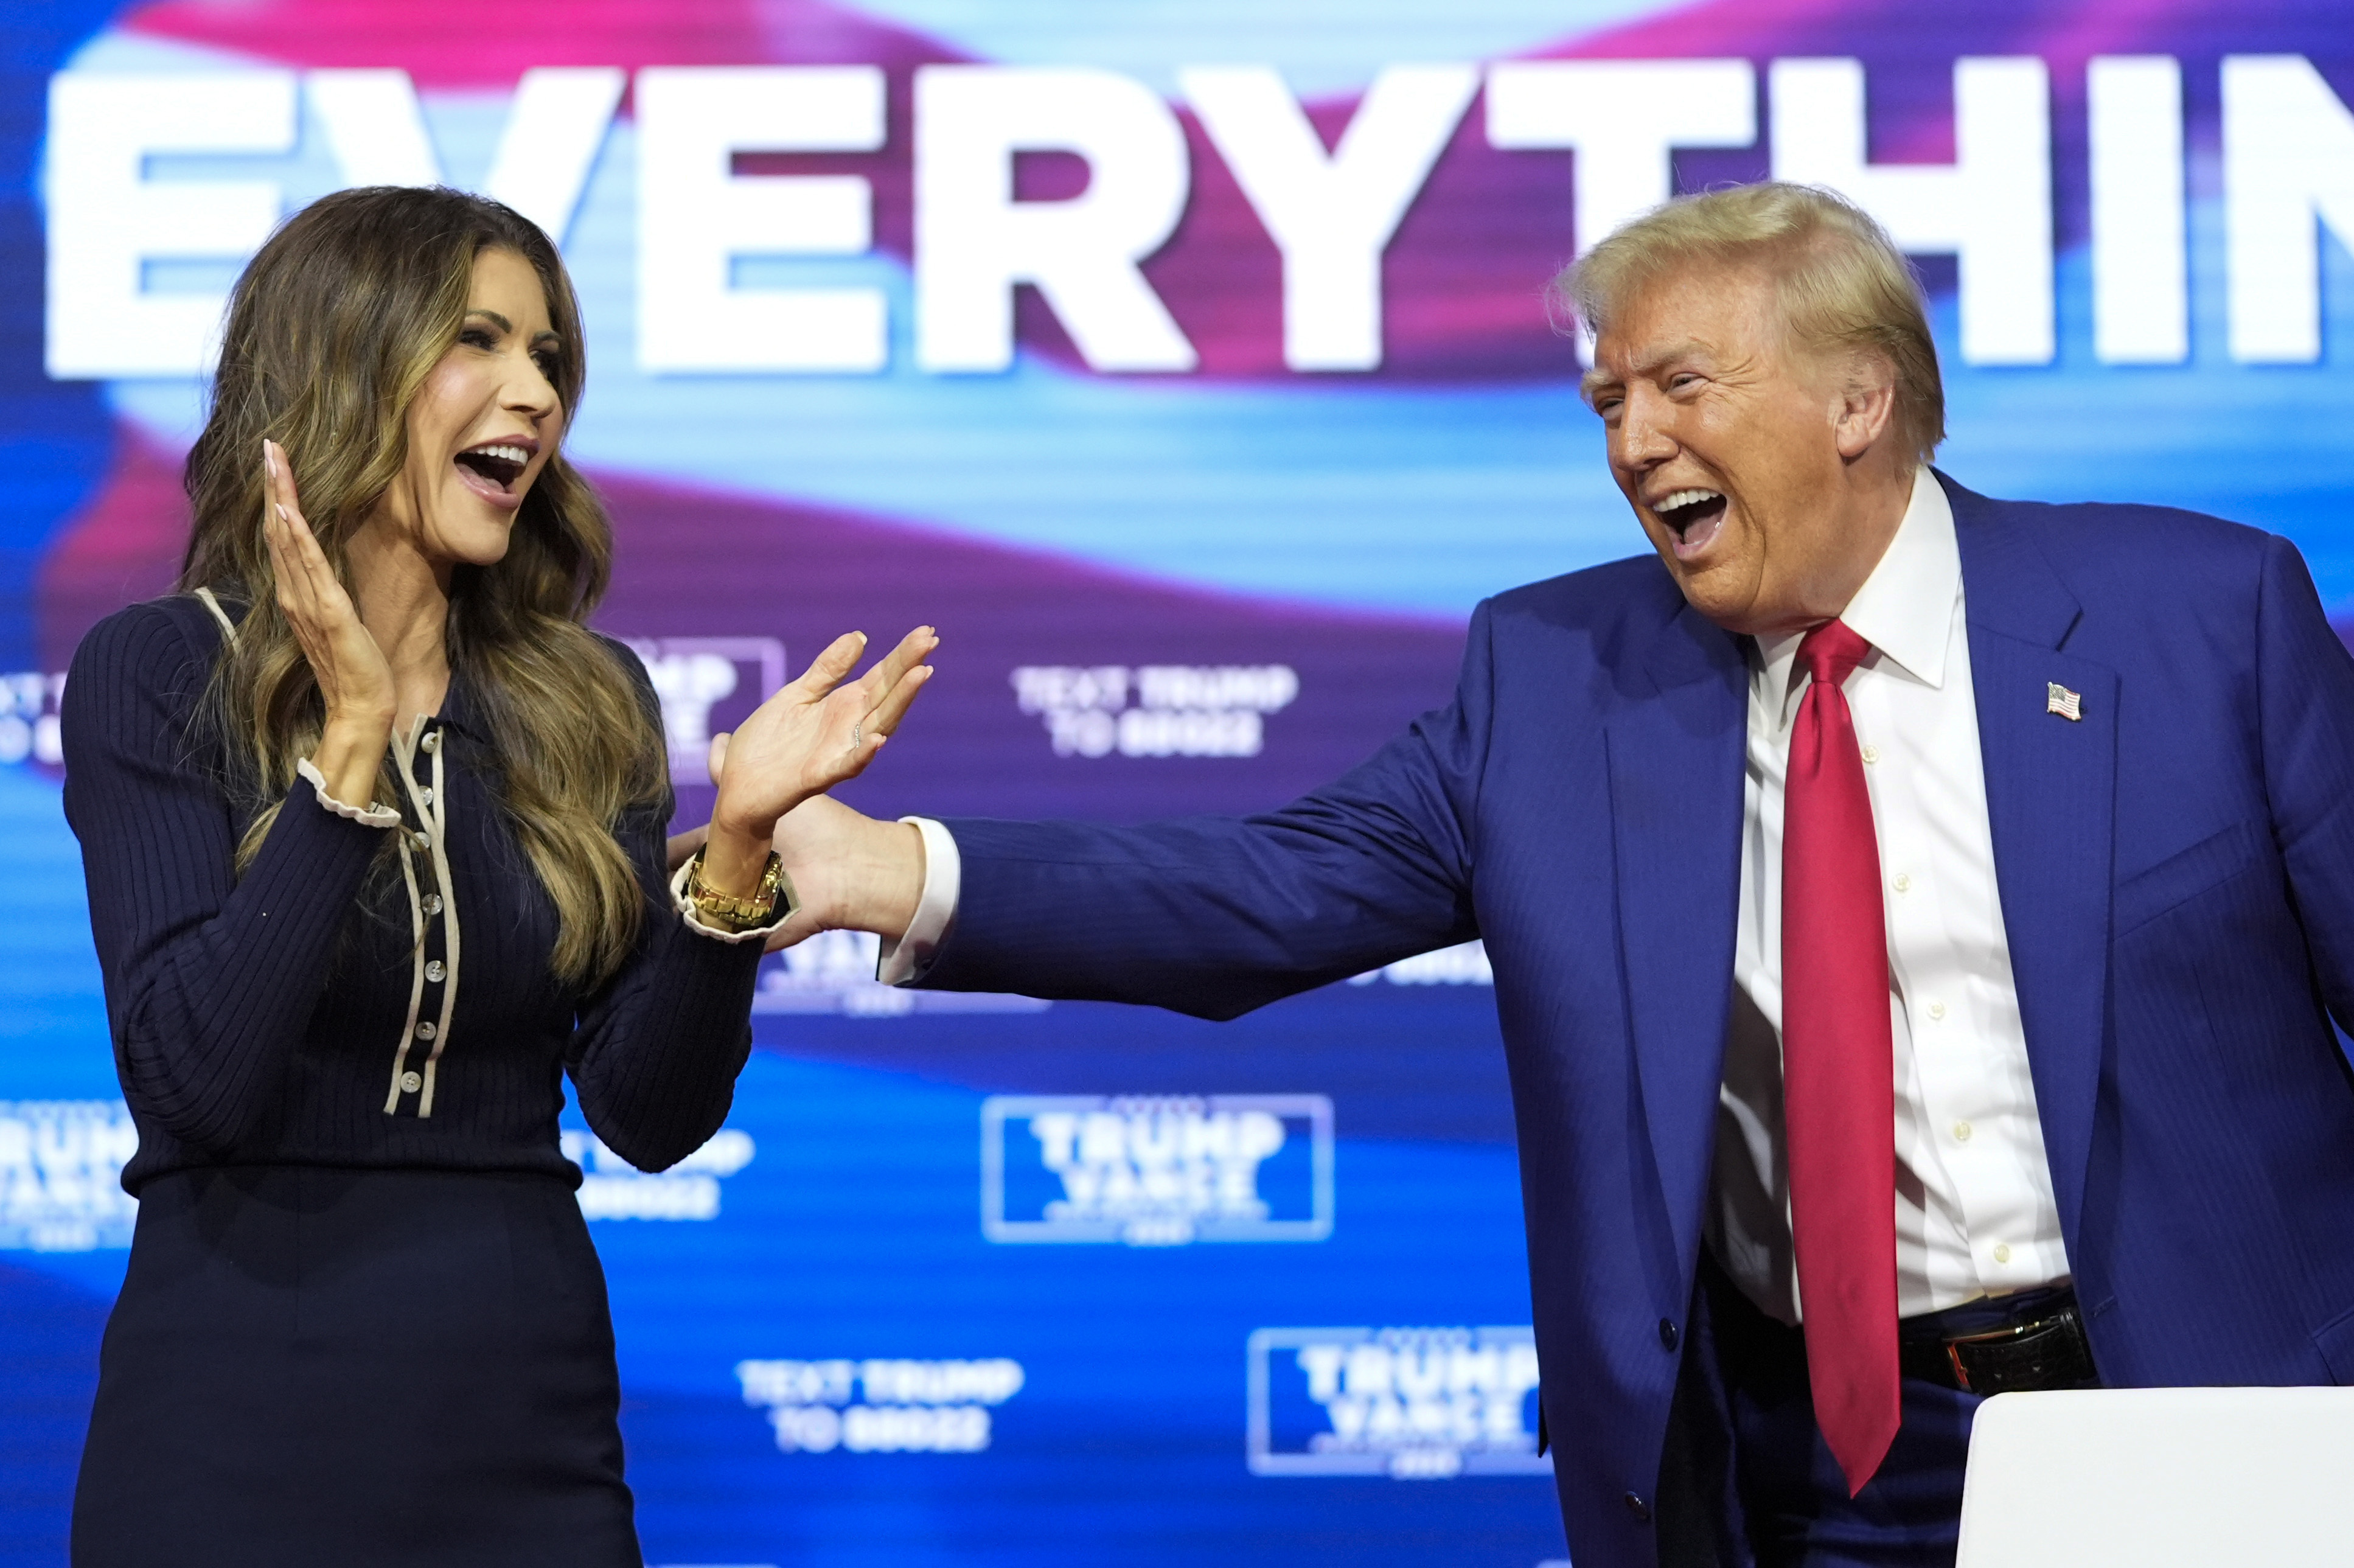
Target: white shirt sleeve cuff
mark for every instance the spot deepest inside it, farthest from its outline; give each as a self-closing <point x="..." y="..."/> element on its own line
<point x="904" y="961"/>
<point x="786" y="904"/>
<point x="368" y="816"/>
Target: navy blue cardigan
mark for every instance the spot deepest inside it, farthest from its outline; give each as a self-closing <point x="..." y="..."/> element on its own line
<point x="255" y="1019"/>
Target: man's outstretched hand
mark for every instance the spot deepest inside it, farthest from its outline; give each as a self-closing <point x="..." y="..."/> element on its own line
<point x="850" y="872"/>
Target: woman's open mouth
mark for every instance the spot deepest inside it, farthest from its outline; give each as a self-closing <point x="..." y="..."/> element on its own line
<point x="1693" y="517"/>
<point x="492" y="469"/>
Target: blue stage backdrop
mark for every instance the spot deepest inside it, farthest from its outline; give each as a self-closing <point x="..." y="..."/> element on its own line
<point x="1186" y="361"/>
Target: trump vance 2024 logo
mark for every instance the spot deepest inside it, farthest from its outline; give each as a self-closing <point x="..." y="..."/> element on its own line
<point x="1414" y="1403"/>
<point x="1156" y="1171"/>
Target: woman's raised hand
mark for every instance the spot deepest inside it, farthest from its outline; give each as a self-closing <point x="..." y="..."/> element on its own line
<point x="811" y="736"/>
<point x="354" y="680"/>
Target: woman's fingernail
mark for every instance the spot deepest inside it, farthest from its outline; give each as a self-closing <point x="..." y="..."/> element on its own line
<point x="281" y="512"/>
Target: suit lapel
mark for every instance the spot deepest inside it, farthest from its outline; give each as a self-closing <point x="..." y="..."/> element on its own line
<point x="2051" y="786"/>
<point x="1676" y="758"/>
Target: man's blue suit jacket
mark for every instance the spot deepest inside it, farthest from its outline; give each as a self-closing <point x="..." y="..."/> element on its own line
<point x="2177" y="876"/>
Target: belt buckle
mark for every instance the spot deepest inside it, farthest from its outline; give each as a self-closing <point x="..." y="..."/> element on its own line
<point x="2013" y="1332"/>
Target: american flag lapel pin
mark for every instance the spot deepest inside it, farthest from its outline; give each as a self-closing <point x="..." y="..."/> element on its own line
<point x="2059" y="699"/>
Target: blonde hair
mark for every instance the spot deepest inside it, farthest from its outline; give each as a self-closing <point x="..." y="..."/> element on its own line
<point x="1843" y="285"/>
<point x="331" y="330"/>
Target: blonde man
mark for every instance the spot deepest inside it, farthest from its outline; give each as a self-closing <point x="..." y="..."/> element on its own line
<point x="1917" y="921"/>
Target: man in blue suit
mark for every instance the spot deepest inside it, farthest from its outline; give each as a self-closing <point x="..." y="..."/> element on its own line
<point x="1916" y="920"/>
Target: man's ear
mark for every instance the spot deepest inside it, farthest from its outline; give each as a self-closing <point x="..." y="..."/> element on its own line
<point x="1867" y="404"/>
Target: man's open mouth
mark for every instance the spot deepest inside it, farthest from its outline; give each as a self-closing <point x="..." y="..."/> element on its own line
<point x="1693" y="517"/>
<point x="500" y="463"/>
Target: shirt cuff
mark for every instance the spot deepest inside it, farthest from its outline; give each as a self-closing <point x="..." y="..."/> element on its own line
<point x="786" y="904"/>
<point x="903" y="962"/>
<point x="368" y="816"/>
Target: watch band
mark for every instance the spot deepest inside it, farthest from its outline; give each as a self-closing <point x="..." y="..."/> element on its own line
<point x="728" y="912"/>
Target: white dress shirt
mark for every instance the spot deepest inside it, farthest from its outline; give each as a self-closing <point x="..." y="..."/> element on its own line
<point x="1974" y="1213"/>
<point x="1973" y="1209"/>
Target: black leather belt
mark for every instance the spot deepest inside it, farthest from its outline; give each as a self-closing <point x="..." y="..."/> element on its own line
<point x="2048" y="1350"/>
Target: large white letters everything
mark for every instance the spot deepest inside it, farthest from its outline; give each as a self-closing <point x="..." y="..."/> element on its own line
<point x="138" y="249"/>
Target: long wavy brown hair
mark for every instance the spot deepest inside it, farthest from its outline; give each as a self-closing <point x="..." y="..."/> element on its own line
<point x="332" y="330"/>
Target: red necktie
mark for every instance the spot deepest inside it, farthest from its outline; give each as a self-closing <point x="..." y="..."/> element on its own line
<point x="1838" y="1080"/>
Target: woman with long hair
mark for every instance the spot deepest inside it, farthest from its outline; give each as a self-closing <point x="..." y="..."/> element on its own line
<point x="373" y="827"/>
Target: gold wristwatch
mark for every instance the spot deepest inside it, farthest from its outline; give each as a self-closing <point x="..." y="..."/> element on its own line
<point x="731" y="914"/>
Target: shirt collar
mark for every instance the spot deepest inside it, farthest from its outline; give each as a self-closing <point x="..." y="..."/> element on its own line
<point x="1905" y="607"/>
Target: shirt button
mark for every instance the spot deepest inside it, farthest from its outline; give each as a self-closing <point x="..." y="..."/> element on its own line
<point x="433" y="741"/>
<point x="1638" y="1507"/>
<point x="2002" y="1252"/>
<point x="1872" y="754"/>
<point x="1667" y="1334"/>
<point x="428" y="1030"/>
<point x="425" y="795"/>
<point x="433" y="903"/>
<point x="410" y="1083"/>
<point x="434" y="972"/>
<point x="422" y="841"/>
<point x="1903" y="882"/>
<point x="1937" y="1010"/>
<point x="1961" y="1132"/>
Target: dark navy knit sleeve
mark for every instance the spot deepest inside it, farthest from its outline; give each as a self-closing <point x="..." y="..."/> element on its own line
<point x="210" y="978"/>
<point x="657" y="1051"/>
